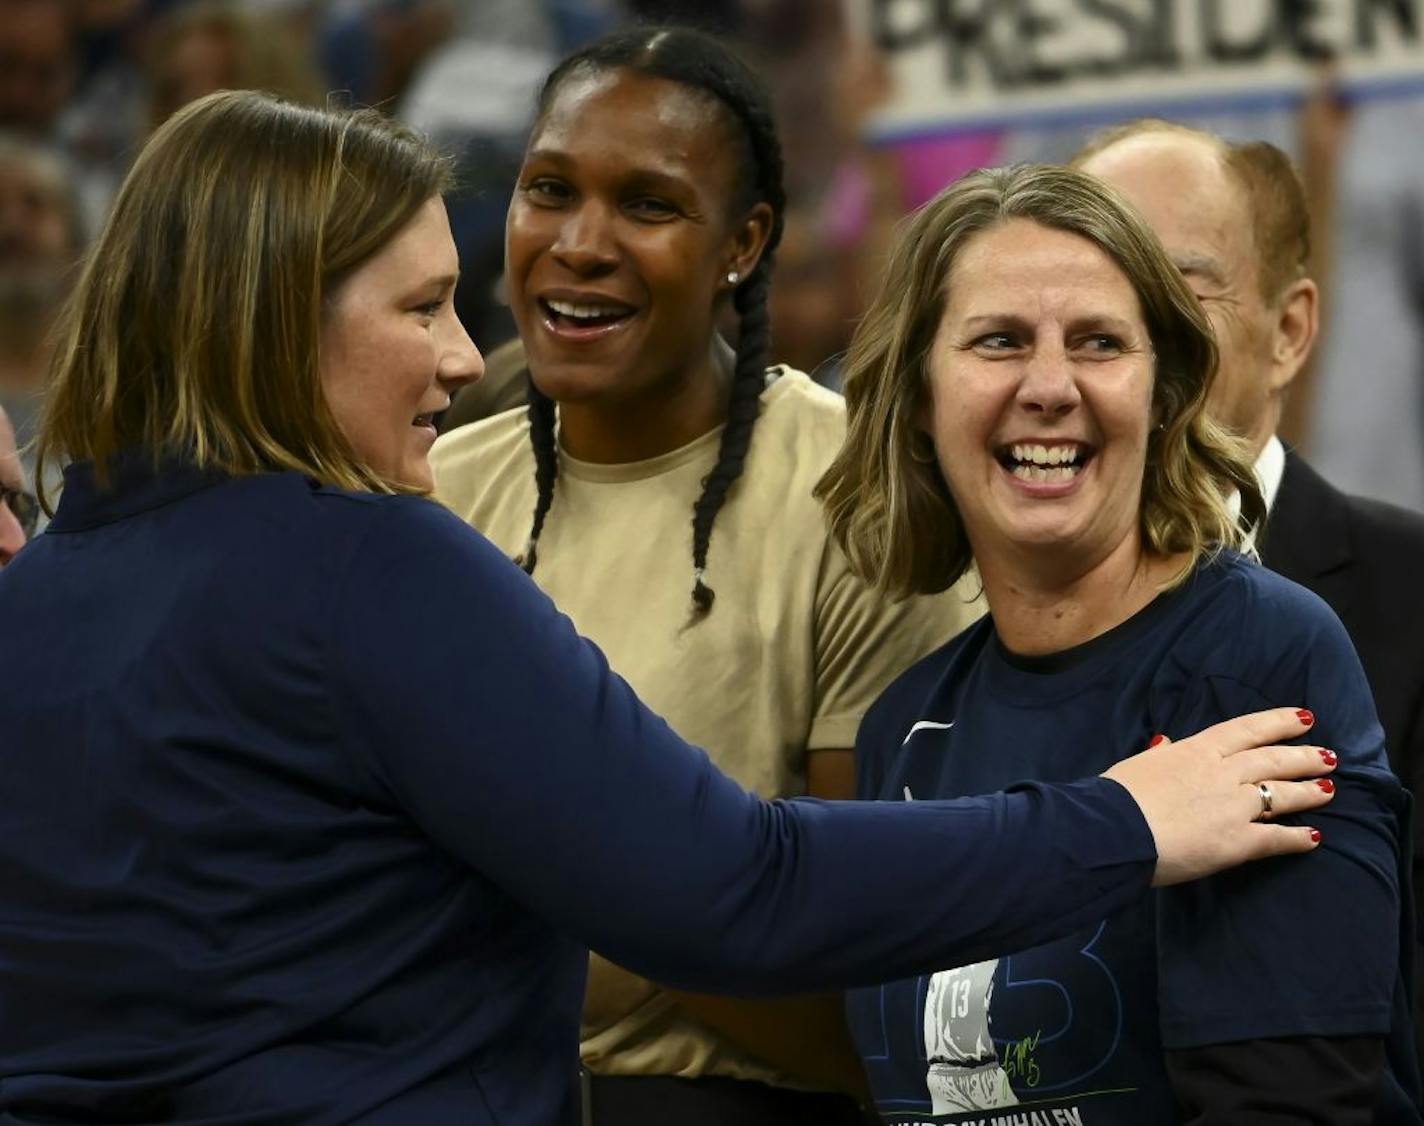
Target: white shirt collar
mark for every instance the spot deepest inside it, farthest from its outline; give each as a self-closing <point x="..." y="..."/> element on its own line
<point x="1270" y="468"/>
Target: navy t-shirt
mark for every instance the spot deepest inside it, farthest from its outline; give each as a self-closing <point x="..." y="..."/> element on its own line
<point x="1074" y="1031"/>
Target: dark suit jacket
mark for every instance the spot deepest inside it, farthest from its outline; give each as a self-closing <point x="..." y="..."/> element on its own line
<point x="1366" y="559"/>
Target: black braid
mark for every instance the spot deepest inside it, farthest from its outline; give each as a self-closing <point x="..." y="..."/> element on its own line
<point x="546" y="468"/>
<point x="693" y="59"/>
<point x="748" y="382"/>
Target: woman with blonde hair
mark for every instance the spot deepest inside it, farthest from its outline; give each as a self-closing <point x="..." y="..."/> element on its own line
<point x="1028" y="390"/>
<point x="310" y="801"/>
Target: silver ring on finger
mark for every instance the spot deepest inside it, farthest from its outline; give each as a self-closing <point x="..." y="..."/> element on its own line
<point x="1266" y="800"/>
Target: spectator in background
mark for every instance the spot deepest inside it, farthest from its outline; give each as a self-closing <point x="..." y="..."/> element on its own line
<point x="40" y="241"/>
<point x="105" y="119"/>
<point x="225" y="45"/>
<point x="39" y="64"/>
<point x="813" y="303"/>
<point x="1233" y="218"/>
<point x="371" y="49"/>
<point x="828" y="78"/>
<point x="108" y="31"/>
<point x="18" y="507"/>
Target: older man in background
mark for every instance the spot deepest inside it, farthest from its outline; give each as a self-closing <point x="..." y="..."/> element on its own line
<point x="17" y="506"/>
<point x="1233" y="218"/>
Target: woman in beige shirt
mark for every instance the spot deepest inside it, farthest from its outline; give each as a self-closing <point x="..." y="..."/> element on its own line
<point x="658" y="487"/>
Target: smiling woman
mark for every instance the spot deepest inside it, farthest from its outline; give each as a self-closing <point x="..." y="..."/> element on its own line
<point x="393" y="351"/>
<point x="659" y="489"/>
<point x="1040" y="380"/>
<point x="1029" y="386"/>
<point x="892" y="507"/>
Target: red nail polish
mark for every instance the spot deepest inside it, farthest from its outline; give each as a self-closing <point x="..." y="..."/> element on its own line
<point x="1326" y="785"/>
<point x="1329" y="757"/>
<point x="1156" y="739"/>
<point x="1305" y="716"/>
<point x="1315" y="835"/>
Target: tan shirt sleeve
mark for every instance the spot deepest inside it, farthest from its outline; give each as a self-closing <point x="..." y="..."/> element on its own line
<point x="864" y="640"/>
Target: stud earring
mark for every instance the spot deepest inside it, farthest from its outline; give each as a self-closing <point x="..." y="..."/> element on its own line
<point x="733" y="277"/>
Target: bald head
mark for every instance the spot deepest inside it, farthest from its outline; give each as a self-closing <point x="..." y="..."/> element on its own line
<point x="1180" y="184"/>
<point x="1217" y="208"/>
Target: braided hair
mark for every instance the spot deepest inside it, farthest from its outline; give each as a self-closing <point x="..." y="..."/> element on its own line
<point x="698" y="61"/>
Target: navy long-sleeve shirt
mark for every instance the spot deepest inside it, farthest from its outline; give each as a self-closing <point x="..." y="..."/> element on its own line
<point x="310" y="800"/>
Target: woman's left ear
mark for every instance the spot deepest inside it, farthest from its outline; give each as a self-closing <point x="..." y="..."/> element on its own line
<point x="750" y="243"/>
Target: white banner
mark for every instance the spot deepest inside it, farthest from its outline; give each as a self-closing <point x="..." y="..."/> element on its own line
<point x="967" y="64"/>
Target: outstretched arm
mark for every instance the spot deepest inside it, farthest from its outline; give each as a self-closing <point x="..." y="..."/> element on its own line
<point x="505" y="737"/>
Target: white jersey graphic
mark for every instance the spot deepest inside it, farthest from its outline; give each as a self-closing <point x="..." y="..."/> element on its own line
<point x="926" y="725"/>
<point x="964" y="1071"/>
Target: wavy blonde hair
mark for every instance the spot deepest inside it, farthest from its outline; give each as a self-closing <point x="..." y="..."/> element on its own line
<point x="195" y="324"/>
<point x="893" y="513"/>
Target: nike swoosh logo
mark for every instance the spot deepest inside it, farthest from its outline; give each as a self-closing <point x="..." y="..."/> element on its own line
<point x="927" y="725"/>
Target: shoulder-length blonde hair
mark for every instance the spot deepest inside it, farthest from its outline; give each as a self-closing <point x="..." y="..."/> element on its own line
<point x="195" y="324"/>
<point x="893" y="513"/>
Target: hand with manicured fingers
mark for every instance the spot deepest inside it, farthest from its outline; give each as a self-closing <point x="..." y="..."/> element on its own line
<point x="1203" y="797"/>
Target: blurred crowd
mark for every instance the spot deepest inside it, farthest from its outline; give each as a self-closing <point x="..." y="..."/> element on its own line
<point x="83" y="82"/>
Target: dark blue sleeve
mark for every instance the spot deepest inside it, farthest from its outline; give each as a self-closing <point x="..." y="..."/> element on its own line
<point x="469" y="701"/>
<point x="1278" y="949"/>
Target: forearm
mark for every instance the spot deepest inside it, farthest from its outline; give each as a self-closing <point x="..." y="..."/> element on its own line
<point x="547" y="775"/>
<point x="863" y="891"/>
